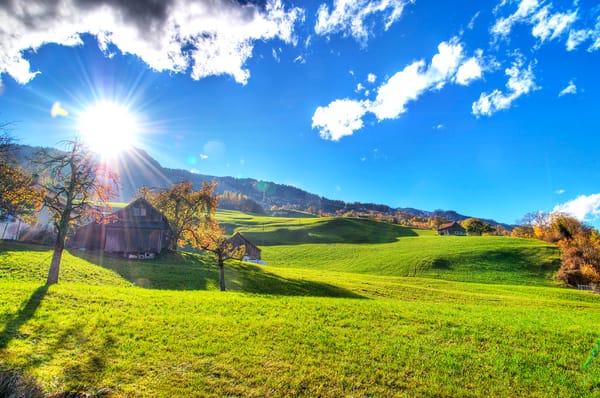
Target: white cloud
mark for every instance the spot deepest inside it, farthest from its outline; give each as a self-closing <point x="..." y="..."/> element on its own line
<point x="559" y="191"/>
<point x="550" y="26"/>
<point x="438" y="126"/>
<point x="576" y="37"/>
<point x="371" y="77"/>
<point x="520" y="82"/>
<point x="584" y="208"/>
<point x="342" y="117"/>
<point x="471" y="23"/>
<point x="570" y="89"/>
<point x="203" y="156"/>
<point x="470" y="70"/>
<point x="546" y="24"/>
<point x="349" y="17"/>
<point x="503" y="26"/>
<point x="300" y="59"/>
<point x="211" y="37"/>
<point x="338" y="119"/>
<point x="408" y="84"/>
<point x="359" y="87"/>
<point x="275" y="54"/>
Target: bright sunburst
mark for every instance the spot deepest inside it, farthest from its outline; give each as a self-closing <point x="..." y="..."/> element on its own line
<point x="108" y="128"/>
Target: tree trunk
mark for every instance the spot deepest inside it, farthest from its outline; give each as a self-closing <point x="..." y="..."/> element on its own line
<point x="55" y="264"/>
<point x="221" y="274"/>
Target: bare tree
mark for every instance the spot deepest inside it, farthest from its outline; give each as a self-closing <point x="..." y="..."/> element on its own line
<point x="76" y="186"/>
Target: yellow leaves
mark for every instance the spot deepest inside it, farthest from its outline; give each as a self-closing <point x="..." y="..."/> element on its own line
<point x="190" y="213"/>
<point x="18" y="196"/>
<point x="590" y="273"/>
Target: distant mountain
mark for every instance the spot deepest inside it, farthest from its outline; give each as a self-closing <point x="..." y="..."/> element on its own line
<point x="137" y="169"/>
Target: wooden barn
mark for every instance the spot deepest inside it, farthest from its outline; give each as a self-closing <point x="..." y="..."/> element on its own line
<point x="137" y="229"/>
<point x="452" y="228"/>
<point x="251" y="251"/>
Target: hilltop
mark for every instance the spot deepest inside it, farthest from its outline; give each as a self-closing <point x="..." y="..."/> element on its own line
<point x="137" y="168"/>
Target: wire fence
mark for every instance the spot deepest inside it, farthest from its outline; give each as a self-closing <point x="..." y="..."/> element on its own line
<point x="591" y="288"/>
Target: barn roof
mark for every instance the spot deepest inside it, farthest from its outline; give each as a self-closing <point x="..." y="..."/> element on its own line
<point x="131" y="216"/>
<point x="237" y="237"/>
<point x="450" y="225"/>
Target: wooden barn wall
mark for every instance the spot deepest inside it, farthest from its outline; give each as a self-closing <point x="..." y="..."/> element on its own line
<point x="121" y="240"/>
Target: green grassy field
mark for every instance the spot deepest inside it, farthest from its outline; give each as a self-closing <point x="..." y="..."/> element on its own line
<point x="365" y="246"/>
<point x="322" y="319"/>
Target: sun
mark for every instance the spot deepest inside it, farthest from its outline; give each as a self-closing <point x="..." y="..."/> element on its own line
<point x="108" y="128"/>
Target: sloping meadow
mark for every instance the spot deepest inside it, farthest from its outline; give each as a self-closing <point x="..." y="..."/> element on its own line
<point x="294" y="328"/>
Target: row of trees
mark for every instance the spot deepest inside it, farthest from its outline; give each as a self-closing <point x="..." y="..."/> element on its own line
<point x="579" y="244"/>
<point x="76" y="188"/>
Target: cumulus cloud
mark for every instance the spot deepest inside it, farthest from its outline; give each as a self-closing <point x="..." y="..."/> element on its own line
<point x="371" y="77"/>
<point x="520" y="82"/>
<point x="570" y="89"/>
<point x="212" y="37"/>
<point x="349" y="17"/>
<point x="416" y="78"/>
<point x="584" y="208"/>
<point x="342" y="117"/>
<point x="470" y="70"/>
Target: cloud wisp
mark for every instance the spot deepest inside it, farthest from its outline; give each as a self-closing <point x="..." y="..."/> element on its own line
<point x="570" y="89"/>
<point x="349" y="17"/>
<point x="343" y="117"/>
<point x="520" y="82"/>
<point x="203" y="37"/>
<point x="547" y="24"/>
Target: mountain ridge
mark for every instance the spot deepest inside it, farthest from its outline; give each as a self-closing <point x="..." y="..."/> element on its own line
<point x="137" y="168"/>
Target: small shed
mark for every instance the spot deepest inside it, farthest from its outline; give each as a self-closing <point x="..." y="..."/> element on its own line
<point x="452" y="228"/>
<point x="250" y="250"/>
<point x="137" y="229"/>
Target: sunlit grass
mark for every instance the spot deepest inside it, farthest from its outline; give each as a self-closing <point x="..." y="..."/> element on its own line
<point x="322" y="319"/>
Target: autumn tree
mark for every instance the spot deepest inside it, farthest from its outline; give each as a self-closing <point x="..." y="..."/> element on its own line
<point x="191" y="216"/>
<point x="211" y="237"/>
<point x="76" y="187"/>
<point x="186" y="209"/>
<point x="475" y="226"/>
<point x="18" y="195"/>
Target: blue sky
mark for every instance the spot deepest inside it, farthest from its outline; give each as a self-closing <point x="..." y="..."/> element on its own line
<point x="486" y="108"/>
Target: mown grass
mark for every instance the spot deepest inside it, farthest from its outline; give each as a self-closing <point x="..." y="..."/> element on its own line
<point x="136" y="342"/>
<point x="468" y="259"/>
<point x="322" y="319"/>
<point x="366" y="246"/>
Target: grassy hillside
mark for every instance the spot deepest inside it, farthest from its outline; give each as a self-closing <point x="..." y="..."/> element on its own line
<point x="322" y="319"/>
<point x="365" y="246"/>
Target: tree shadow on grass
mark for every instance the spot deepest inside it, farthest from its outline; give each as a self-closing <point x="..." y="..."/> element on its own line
<point x="337" y="230"/>
<point x="191" y="271"/>
<point x="13" y="245"/>
<point x="28" y="308"/>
